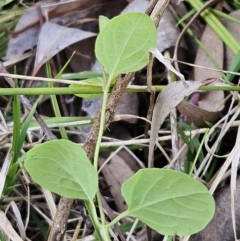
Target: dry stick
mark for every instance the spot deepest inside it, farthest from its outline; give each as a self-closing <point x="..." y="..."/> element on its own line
<point x="112" y="102"/>
<point x="26" y="103"/>
<point x="64" y="206"/>
<point x="111" y="215"/>
<point x="156" y="16"/>
<point x="151" y="99"/>
<point x="175" y="56"/>
<point x="151" y="6"/>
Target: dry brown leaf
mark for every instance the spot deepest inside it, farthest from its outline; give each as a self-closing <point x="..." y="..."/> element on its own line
<point x="198" y="115"/>
<point x="169" y="98"/>
<point x="214" y="46"/>
<point x="116" y="172"/>
<point x="70" y="6"/>
<point x="26" y="40"/>
<point x="211" y="100"/>
<point x="208" y="104"/>
<point x="64" y="13"/>
<point x="54" y="38"/>
<point x="167" y="32"/>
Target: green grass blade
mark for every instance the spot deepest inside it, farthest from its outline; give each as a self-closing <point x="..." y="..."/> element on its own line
<point x="234" y="67"/>
<point x="217" y="26"/>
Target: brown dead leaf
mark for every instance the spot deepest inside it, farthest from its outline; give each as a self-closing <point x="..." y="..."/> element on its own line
<point x="211" y="100"/>
<point x="120" y="132"/>
<point x="208" y="104"/>
<point x="70" y="6"/>
<point x="169" y="98"/>
<point x="116" y="173"/>
<point x="54" y="38"/>
<point x="214" y="46"/>
<point x="26" y="40"/>
<point x="63" y="13"/>
<point x="198" y="115"/>
<point x="167" y="32"/>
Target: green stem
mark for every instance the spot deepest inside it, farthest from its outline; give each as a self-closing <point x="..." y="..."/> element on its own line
<point x="118" y="218"/>
<point x="68" y="91"/>
<point x="54" y="102"/>
<point x="101" y="125"/>
<point x="198" y="152"/>
<point x="106" y="88"/>
<point x="101" y="230"/>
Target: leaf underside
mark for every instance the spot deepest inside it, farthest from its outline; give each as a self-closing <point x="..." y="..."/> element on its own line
<point x="62" y="167"/>
<point x="168" y="201"/>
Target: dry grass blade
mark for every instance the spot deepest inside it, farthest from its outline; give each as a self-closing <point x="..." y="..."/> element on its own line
<point x="4" y="170"/>
<point x="19" y="220"/>
<point x="233" y="186"/>
<point x="50" y="201"/>
<point x="6" y="226"/>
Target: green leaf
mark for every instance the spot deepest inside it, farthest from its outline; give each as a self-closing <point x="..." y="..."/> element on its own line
<point x="81" y="75"/>
<point x="234" y="67"/>
<point x="123" y="44"/>
<point x="93" y="81"/>
<point x="62" y="167"/>
<point x="168" y="201"/>
<point x="103" y="22"/>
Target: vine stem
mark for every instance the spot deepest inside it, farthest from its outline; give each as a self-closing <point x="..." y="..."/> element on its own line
<point x="106" y="88"/>
<point x="100" y="229"/>
<point x="118" y="218"/>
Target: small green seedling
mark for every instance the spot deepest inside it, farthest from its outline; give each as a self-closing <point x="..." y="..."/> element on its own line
<point x="170" y="202"/>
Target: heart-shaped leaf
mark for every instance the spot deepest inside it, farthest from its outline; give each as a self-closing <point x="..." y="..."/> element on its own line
<point x="123" y="44"/>
<point x="168" y="201"/>
<point x="62" y="167"/>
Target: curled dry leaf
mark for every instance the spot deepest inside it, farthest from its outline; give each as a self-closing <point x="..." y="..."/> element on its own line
<point x="54" y="38"/>
<point x="210" y="106"/>
<point x="26" y="40"/>
<point x="169" y="98"/>
<point x="221" y="228"/>
<point x="116" y="172"/>
<point x="197" y="114"/>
